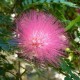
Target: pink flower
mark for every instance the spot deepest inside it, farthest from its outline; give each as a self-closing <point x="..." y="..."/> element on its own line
<point x="41" y="36"/>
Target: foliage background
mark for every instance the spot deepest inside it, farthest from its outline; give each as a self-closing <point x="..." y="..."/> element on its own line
<point x="14" y="68"/>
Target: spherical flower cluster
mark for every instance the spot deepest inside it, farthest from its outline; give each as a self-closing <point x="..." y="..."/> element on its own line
<point x="41" y="36"/>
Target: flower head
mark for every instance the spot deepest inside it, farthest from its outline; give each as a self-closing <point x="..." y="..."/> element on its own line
<point x="41" y="36"/>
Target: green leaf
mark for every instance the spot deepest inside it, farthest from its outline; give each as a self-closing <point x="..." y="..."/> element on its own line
<point x="8" y="66"/>
<point x="4" y="45"/>
<point x="2" y="71"/>
<point x="56" y="1"/>
<point x="5" y="20"/>
<point x="24" y="2"/>
<point x="68" y="78"/>
<point x="34" y="0"/>
<point x="65" y="67"/>
<point x="42" y="1"/>
<point x="75" y="76"/>
<point x="48" y="1"/>
<point x="30" y="1"/>
<point x="70" y="4"/>
<point x="72" y="23"/>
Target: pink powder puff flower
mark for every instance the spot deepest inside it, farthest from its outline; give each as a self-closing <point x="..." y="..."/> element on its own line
<point x="41" y="36"/>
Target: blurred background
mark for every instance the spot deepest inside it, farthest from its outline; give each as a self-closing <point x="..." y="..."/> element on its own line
<point x="12" y="67"/>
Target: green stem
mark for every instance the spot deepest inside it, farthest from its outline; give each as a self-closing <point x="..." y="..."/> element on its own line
<point x="18" y="75"/>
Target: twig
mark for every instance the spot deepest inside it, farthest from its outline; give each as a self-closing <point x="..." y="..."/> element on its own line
<point x="18" y="77"/>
